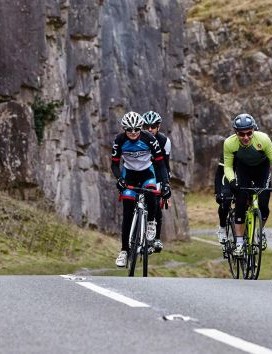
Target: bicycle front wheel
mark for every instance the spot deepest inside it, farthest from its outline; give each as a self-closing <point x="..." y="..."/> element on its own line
<point x="256" y="246"/>
<point x="230" y="246"/>
<point x="133" y="251"/>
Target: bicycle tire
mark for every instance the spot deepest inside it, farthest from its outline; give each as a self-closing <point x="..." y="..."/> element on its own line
<point x="145" y="259"/>
<point x="246" y="267"/>
<point x="133" y="251"/>
<point x="256" y="247"/>
<point x="230" y="245"/>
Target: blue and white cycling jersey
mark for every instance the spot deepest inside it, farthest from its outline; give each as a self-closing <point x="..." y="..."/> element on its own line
<point x="136" y="154"/>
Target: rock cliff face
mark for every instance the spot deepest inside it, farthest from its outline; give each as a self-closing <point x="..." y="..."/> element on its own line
<point x="99" y="59"/>
<point x="230" y="72"/>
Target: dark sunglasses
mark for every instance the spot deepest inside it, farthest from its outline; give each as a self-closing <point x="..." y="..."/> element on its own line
<point x="133" y="130"/>
<point x="152" y="126"/>
<point x="242" y="134"/>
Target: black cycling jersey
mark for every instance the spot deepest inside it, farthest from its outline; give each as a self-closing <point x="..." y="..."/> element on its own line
<point x="165" y="146"/>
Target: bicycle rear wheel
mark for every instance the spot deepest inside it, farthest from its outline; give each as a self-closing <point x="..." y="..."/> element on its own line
<point x="256" y="247"/>
<point x="230" y="245"/>
<point x="133" y="251"/>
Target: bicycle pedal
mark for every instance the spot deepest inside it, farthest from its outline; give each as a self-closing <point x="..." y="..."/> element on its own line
<point x="264" y="246"/>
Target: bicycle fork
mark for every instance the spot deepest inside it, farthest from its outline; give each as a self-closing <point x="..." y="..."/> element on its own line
<point x="139" y="211"/>
<point x="250" y="218"/>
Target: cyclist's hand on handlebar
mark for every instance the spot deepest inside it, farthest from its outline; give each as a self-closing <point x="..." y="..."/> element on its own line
<point x="166" y="191"/>
<point x="234" y="186"/>
<point x="121" y="184"/>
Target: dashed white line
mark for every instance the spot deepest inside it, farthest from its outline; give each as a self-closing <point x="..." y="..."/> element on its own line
<point x="111" y="294"/>
<point x="233" y="341"/>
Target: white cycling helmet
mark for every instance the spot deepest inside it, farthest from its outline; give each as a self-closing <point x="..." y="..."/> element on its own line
<point x="132" y="120"/>
<point x="152" y="118"/>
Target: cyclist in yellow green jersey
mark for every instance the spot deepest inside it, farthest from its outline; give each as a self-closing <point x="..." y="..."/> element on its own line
<point x="223" y="195"/>
<point x="252" y="151"/>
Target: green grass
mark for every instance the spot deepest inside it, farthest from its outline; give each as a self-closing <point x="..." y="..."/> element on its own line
<point x="34" y="241"/>
<point x="250" y="20"/>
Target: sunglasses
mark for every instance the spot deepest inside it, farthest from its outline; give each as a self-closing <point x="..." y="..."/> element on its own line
<point x="152" y="126"/>
<point x="242" y="134"/>
<point x="133" y="130"/>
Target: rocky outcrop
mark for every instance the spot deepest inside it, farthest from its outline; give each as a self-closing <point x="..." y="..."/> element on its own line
<point x="99" y="59"/>
<point x="229" y="74"/>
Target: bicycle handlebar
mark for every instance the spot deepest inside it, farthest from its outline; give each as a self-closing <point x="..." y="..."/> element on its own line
<point x="147" y="190"/>
<point x="144" y="190"/>
<point x="257" y="190"/>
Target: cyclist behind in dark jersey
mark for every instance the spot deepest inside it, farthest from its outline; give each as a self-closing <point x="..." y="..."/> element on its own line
<point x="252" y="151"/>
<point x="152" y="123"/>
<point x="223" y="196"/>
<point x="136" y="147"/>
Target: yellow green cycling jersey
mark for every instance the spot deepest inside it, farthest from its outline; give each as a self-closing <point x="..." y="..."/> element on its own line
<point x="259" y="149"/>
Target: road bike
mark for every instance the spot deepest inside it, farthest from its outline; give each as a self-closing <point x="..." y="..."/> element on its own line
<point x="253" y="235"/>
<point x="250" y="262"/>
<point x="138" y="243"/>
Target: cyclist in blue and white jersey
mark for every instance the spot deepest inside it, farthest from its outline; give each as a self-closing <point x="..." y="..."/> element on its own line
<point x="152" y="123"/>
<point x="136" y="147"/>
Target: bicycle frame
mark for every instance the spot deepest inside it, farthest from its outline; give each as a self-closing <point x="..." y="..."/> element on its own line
<point x="253" y="205"/>
<point x="140" y="205"/>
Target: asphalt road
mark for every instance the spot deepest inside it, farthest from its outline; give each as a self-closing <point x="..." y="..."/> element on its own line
<point x="43" y="314"/>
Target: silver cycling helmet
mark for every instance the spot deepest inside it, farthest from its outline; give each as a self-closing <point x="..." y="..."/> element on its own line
<point x="132" y="120"/>
<point x="152" y="118"/>
<point x="244" y="121"/>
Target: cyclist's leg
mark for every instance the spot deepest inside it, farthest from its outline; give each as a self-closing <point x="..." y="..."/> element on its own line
<point x="158" y="218"/>
<point x="224" y="205"/>
<point x="128" y="208"/>
<point x="128" y="198"/>
<point x="158" y="245"/>
<point x="149" y="181"/>
<point x="241" y="197"/>
<point x="223" y="212"/>
<point x="262" y="179"/>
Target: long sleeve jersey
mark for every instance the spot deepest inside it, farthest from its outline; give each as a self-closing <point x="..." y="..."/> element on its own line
<point x="259" y="149"/>
<point x="165" y="145"/>
<point x="137" y="154"/>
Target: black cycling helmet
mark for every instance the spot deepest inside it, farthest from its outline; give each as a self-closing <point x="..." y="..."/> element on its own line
<point x="244" y="121"/>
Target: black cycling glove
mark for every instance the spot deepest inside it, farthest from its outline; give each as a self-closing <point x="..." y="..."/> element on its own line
<point x="234" y="186"/>
<point x="121" y="184"/>
<point x="166" y="191"/>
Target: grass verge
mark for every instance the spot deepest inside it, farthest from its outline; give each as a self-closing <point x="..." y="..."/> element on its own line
<point x="35" y="241"/>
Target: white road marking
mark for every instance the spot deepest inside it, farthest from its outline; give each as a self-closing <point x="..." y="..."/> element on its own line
<point x="178" y="316"/>
<point x="234" y="341"/>
<point x="111" y="294"/>
<point x="205" y="241"/>
<point x="72" y="277"/>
